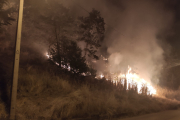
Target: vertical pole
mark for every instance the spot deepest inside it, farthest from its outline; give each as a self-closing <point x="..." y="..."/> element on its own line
<point x="16" y="63"/>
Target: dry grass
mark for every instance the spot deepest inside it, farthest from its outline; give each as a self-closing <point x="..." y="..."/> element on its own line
<point x="169" y="94"/>
<point x="42" y="95"/>
<point x="3" y="113"/>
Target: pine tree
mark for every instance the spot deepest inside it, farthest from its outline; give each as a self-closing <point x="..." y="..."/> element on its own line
<point x="92" y="32"/>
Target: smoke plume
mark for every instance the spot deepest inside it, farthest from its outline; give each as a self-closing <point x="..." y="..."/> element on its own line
<point x="132" y="29"/>
<point x="136" y="42"/>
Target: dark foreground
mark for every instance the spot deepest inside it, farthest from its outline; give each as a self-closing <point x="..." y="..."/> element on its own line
<point x="165" y="115"/>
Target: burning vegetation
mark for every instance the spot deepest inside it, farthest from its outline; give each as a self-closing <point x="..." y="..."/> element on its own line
<point x="77" y="81"/>
<point x="130" y="81"/>
<point x="43" y="94"/>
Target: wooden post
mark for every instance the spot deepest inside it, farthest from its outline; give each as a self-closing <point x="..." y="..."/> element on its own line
<point x="16" y="63"/>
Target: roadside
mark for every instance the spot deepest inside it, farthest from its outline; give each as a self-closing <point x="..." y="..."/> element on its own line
<point x="164" y="115"/>
<point x="42" y="95"/>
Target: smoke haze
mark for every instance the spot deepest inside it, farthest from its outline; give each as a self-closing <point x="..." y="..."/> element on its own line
<point x="138" y="46"/>
<point x="132" y="27"/>
<point x="133" y="39"/>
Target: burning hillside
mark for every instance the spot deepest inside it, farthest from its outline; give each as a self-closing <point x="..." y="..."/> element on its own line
<point x="130" y="80"/>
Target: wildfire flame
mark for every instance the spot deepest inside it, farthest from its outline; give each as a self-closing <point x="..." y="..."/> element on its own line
<point x="47" y="55"/>
<point x="132" y="79"/>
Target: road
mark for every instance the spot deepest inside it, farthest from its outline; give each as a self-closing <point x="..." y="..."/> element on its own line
<point x="165" y="115"/>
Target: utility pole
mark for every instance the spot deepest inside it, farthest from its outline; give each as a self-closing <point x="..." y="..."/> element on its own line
<point x="16" y="63"/>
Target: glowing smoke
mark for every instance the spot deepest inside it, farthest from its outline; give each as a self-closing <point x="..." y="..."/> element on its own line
<point x="133" y="39"/>
<point x="136" y="41"/>
<point x="131" y="34"/>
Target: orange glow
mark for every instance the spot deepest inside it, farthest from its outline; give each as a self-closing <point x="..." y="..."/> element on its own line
<point x="132" y="79"/>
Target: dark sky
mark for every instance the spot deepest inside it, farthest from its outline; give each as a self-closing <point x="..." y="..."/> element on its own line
<point x="174" y="38"/>
<point x="111" y="10"/>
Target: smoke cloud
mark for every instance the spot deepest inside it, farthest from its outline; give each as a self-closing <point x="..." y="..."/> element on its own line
<point x="132" y="29"/>
<point x="136" y="41"/>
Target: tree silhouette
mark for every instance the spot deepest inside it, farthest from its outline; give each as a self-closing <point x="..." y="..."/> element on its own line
<point x="92" y="32"/>
<point x="63" y="50"/>
<point x="75" y="59"/>
<point x="69" y="56"/>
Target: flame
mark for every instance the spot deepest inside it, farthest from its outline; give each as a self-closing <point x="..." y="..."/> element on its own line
<point x="101" y="76"/>
<point x="132" y="79"/>
<point x="47" y="55"/>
